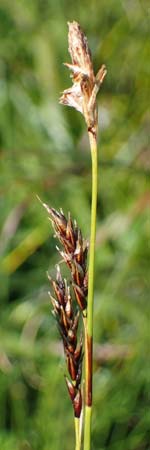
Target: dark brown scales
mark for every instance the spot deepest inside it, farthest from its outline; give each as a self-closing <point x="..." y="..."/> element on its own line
<point x="74" y="252"/>
<point x="67" y="321"/>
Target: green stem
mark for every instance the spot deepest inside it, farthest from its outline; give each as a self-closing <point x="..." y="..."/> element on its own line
<point x="88" y="321"/>
<point x="77" y="433"/>
<point x="87" y="435"/>
<point x="93" y="145"/>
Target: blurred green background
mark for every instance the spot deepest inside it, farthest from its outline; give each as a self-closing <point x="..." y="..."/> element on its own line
<point x="45" y="152"/>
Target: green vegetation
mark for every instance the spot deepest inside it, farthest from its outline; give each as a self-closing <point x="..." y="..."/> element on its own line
<point x="45" y="152"/>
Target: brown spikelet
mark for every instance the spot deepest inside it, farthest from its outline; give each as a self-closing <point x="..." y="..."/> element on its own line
<point x="76" y="398"/>
<point x="67" y="321"/>
<point x="74" y="254"/>
<point x="77" y="403"/>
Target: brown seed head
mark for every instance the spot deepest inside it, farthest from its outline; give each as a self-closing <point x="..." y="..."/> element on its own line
<point x="68" y="321"/>
<point x="74" y="254"/>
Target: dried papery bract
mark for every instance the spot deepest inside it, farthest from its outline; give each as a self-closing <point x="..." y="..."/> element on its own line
<point x="83" y="92"/>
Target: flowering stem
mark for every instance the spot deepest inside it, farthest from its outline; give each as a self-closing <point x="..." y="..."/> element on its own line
<point x="88" y="321"/>
<point x="77" y="433"/>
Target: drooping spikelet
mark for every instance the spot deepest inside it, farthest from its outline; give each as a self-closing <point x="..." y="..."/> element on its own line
<point x="74" y="252"/>
<point x="67" y="321"/>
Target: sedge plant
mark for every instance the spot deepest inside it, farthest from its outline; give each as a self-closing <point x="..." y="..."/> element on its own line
<point x="75" y="299"/>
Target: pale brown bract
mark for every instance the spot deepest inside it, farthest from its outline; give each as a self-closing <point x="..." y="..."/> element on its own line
<point x="82" y="94"/>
